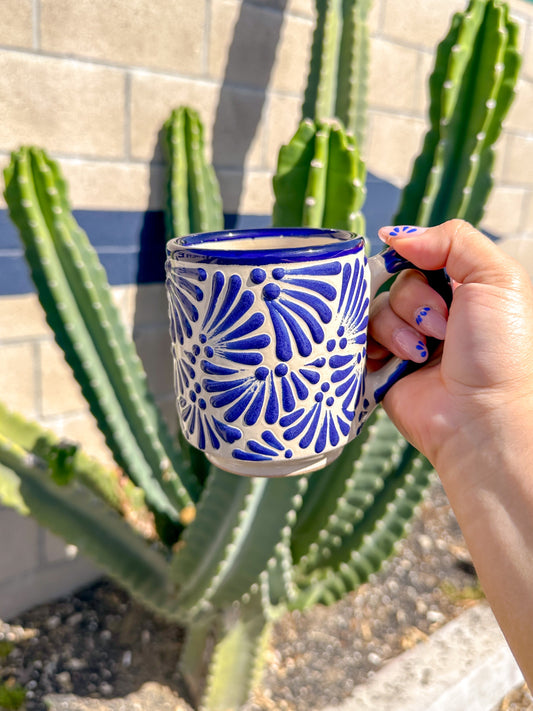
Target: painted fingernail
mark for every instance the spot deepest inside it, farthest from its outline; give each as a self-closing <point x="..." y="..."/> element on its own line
<point x="410" y="345"/>
<point x="431" y="322"/>
<point x="398" y="231"/>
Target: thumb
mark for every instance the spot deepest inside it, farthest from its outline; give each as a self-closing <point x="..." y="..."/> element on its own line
<point x="466" y="254"/>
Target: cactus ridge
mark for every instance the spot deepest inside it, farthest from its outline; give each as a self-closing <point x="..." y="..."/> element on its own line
<point x="237" y="527"/>
<point x="337" y="81"/>
<point x="74" y="513"/>
<point x="353" y="68"/>
<point x="37" y="440"/>
<point x="375" y="537"/>
<point x="471" y="91"/>
<point x="74" y="292"/>
<point x="193" y="203"/>
<point x="324" y="489"/>
<point x="320" y="179"/>
<point x="379" y="460"/>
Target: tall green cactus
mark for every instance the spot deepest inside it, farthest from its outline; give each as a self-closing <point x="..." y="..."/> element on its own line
<point x="471" y="90"/>
<point x="253" y="548"/>
<point x="337" y="81"/>
<point x="75" y="295"/>
<point x="193" y="196"/>
<point x="320" y="180"/>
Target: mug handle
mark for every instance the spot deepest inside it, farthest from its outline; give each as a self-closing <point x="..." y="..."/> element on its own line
<point x="382" y="267"/>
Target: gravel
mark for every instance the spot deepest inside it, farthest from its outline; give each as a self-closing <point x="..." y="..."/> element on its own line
<point x="99" y="650"/>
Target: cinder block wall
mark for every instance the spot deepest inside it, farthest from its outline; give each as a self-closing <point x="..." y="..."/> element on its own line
<point x="92" y="81"/>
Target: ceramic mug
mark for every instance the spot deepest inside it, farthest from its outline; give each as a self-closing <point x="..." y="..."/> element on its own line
<point x="269" y="332"/>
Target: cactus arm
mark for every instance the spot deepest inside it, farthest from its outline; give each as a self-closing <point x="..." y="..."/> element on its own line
<point x="320" y="179"/>
<point x="471" y="91"/>
<point x="353" y="68"/>
<point x="321" y="89"/>
<point x="382" y="460"/>
<point x="481" y="180"/>
<point x="237" y="526"/>
<point x="238" y="659"/>
<point x="73" y="291"/>
<point x="474" y="110"/>
<point x="346" y="191"/>
<point x="194" y="203"/>
<point x="290" y="180"/>
<point x="177" y="213"/>
<point x="42" y="442"/>
<point x="324" y="489"/>
<point x="374" y="538"/>
<point x="73" y="513"/>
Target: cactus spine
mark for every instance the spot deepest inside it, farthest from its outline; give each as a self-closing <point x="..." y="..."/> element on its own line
<point x="471" y="90"/>
<point x="75" y="295"/>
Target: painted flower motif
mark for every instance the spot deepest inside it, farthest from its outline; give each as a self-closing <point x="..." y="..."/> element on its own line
<point x="297" y="304"/>
<point x="228" y="329"/>
<point x="266" y="393"/>
<point x="183" y="294"/>
<point x="266" y="450"/>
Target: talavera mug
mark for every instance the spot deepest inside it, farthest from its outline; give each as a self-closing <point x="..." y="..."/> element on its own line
<point x="269" y="332"/>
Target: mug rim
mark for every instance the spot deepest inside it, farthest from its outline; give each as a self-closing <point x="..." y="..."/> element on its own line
<point x="189" y="247"/>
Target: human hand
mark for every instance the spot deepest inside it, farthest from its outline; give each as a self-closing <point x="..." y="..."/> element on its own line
<point x="485" y="370"/>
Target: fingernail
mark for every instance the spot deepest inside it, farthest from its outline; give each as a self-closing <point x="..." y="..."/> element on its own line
<point x="432" y="322"/>
<point x="410" y="345"/>
<point x="398" y="231"/>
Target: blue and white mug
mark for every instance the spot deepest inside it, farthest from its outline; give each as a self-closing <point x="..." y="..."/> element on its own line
<point x="269" y="333"/>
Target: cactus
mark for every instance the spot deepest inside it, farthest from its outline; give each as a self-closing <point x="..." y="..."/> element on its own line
<point x="320" y="179"/>
<point x="75" y="295"/>
<point x="193" y="195"/>
<point x="471" y="90"/>
<point x="252" y="548"/>
<point x="337" y="81"/>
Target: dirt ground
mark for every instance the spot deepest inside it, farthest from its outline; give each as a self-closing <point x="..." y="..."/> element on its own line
<point x="99" y="650"/>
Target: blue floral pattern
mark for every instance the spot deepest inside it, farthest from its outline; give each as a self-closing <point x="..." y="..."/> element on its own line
<point x="251" y="350"/>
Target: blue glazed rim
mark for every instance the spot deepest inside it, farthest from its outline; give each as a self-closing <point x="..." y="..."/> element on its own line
<point x="190" y="247"/>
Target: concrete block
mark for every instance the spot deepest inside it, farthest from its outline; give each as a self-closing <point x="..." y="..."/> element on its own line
<point x="520" y="249"/>
<point x="61" y="105"/>
<point x="518" y="159"/>
<point x="504" y="210"/>
<point x="152" y="99"/>
<point x="421" y="23"/>
<point x="238" y="131"/>
<point x="528" y="223"/>
<point x="153" y="347"/>
<point x="22" y="317"/>
<point x="16" y="27"/>
<point x="60" y="393"/>
<point x="527" y="53"/>
<point x="168" y="34"/>
<point x="284" y="115"/>
<point x="393" y="78"/>
<point x="392" y="145"/>
<point x="45" y="585"/>
<point x="19" y="551"/>
<point x="464" y="665"/>
<point x="238" y="52"/>
<point x="247" y="194"/>
<point x="106" y="185"/>
<point x="150" y="307"/>
<point x="17" y="377"/>
<point x="82" y="429"/>
<point x="519" y="116"/>
<point x="292" y="57"/>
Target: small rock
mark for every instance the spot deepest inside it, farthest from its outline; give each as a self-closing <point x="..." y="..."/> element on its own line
<point x="374" y="658"/>
<point x="53" y="622"/>
<point x="425" y="542"/>
<point x="435" y="616"/>
<point x="105" y="689"/>
<point x="64" y="680"/>
<point x="75" y="619"/>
